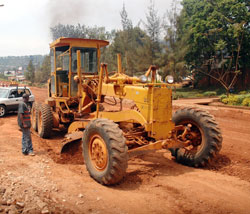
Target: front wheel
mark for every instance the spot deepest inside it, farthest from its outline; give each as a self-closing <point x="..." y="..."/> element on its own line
<point x="105" y="151"/>
<point x="2" y="110"/>
<point x="205" y="137"/>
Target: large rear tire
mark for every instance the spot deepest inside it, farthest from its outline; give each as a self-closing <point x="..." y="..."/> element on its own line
<point x="105" y="151"/>
<point x="44" y="121"/>
<point x="206" y="137"/>
<point x="34" y="115"/>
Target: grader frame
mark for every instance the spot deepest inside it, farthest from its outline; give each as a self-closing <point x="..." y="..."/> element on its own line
<point x="78" y="86"/>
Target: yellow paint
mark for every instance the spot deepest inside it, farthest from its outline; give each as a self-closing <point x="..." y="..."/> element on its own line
<point x="77" y="125"/>
<point x="119" y="63"/>
<point x="126" y="115"/>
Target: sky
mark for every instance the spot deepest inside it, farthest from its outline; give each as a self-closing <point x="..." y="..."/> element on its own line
<point x="25" y="24"/>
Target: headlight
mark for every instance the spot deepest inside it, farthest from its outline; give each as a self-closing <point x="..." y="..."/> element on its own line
<point x="169" y="79"/>
<point x="143" y="79"/>
<point x="76" y="78"/>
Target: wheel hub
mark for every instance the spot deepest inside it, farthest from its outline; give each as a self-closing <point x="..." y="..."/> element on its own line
<point x="1" y="111"/>
<point x="195" y="136"/>
<point x="98" y="153"/>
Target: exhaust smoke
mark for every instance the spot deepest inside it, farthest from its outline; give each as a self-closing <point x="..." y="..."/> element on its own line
<point x="66" y="12"/>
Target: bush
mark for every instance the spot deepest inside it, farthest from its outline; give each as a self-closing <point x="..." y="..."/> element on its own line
<point x="223" y="96"/>
<point x="242" y="99"/>
<point x="231" y="100"/>
<point x="210" y="93"/>
<point x="179" y="95"/>
<point x="175" y="97"/>
<point x="199" y="95"/>
<point x="243" y="92"/>
<point x="246" y="102"/>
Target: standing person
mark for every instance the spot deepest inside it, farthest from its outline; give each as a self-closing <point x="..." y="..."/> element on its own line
<point x="25" y="124"/>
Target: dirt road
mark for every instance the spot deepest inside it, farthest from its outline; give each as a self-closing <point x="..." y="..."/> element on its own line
<point x="154" y="182"/>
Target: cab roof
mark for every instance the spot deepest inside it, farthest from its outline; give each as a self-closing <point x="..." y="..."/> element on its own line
<point x="79" y="42"/>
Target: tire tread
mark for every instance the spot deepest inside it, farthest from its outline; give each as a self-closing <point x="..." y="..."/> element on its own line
<point x="47" y="121"/>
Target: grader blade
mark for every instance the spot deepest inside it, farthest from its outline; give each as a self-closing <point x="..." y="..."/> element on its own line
<point x="69" y="140"/>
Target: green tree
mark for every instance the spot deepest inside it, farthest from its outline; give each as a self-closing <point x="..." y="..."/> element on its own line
<point x="126" y="22"/>
<point x="131" y="42"/>
<point x="175" y="48"/>
<point x="135" y="59"/>
<point x="125" y="39"/>
<point x="218" y="38"/>
<point x="153" y="29"/>
<point x="44" y="72"/>
<point x="2" y="77"/>
<point x="30" y="73"/>
<point x="79" y="31"/>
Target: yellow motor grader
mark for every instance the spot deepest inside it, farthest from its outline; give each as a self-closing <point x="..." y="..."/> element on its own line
<point x="77" y="90"/>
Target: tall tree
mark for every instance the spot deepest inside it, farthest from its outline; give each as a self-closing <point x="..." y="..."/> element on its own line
<point x="44" y="72"/>
<point x="153" y="29"/>
<point x="175" y="47"/>
<point x="126" y="40"/>
<point x="131" y="43"/>
<point x="30" y="73"/>
<point x="135" y="58"/>
<point x="126" y="22"/>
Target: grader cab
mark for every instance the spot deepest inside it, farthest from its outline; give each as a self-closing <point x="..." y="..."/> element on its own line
<point x="78" y="87"/>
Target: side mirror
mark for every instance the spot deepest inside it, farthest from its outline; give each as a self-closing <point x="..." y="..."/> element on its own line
<point x="12" y="96"/>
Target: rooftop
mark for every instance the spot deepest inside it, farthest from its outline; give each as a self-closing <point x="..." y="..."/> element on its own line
<point x="79" y="42"/>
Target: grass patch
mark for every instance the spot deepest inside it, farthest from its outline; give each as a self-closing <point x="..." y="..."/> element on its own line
<point x="193" y="93"/>
<point x="234" y="99"/>
<point x="186" y="93"/>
